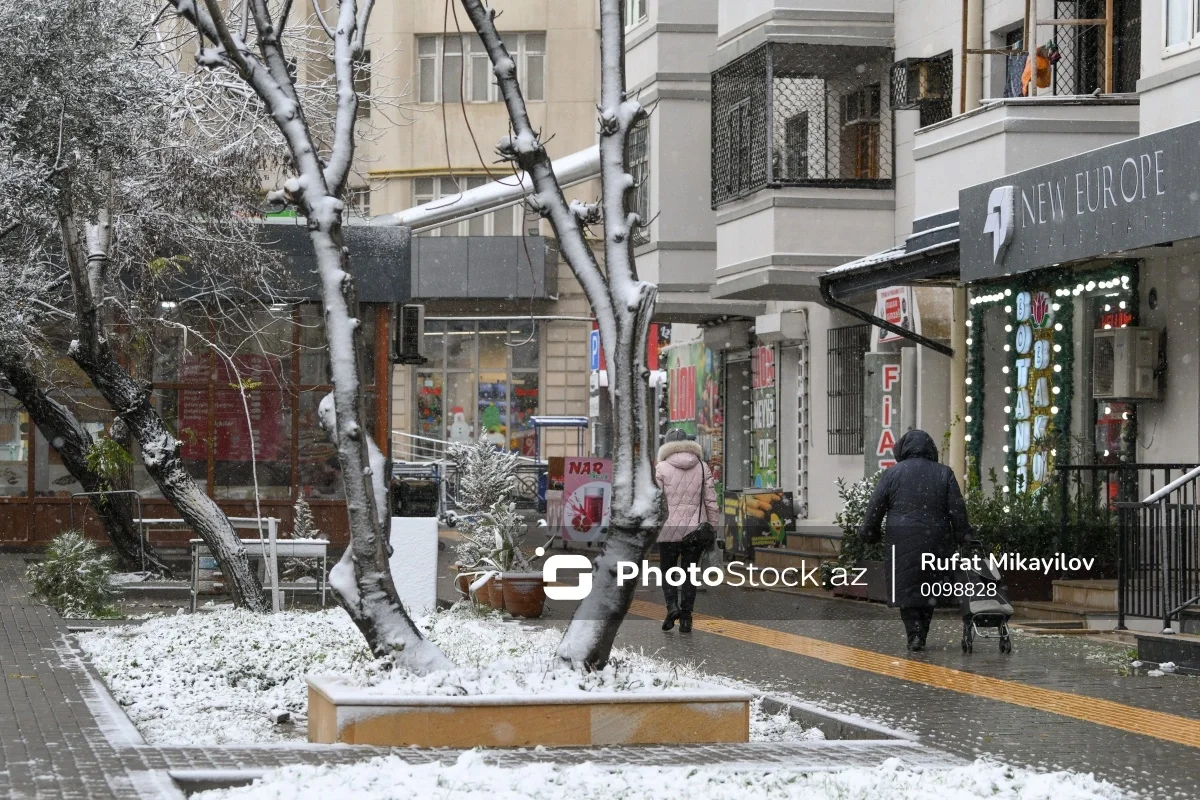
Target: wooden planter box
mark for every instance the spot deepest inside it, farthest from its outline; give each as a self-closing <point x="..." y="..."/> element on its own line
<point x="339" y="713"/>
<point x="877" y="582"/>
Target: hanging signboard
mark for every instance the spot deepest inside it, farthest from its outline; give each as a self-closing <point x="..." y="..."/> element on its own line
<point x="881" y="411"/>
<point x="765" y="423"/>
<point x="897" y="305"/>
<point x="587" y="499"/>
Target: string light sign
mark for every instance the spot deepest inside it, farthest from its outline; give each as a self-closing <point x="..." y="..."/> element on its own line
<point x="1034" y="395"/>
<point x="1039" y="355"/>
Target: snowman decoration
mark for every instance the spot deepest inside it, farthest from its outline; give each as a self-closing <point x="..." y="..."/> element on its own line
<point x="459" y="430"/>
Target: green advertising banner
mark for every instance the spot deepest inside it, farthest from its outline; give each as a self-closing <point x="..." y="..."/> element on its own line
<point x="694" y="400"/>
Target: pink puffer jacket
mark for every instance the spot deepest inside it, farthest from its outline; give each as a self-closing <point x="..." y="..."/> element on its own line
<point x="680" y="473"/>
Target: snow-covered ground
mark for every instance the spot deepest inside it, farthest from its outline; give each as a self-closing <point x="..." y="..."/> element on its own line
<point x="471" y="777"/>
<point x="222" y="677"/>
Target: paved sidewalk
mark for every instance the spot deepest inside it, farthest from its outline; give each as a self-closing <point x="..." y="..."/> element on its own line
<point x="62" y="735"/>
<point x="858" y="663"/>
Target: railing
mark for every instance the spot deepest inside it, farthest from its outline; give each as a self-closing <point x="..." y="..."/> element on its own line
<point x="416" y="456"/>
<point x="1158" y="564"/>
<point x="1095" y="490"/>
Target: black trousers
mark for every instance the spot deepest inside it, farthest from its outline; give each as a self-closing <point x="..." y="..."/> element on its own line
<point x="916" y="621"/>
<point x="672" y="554"/>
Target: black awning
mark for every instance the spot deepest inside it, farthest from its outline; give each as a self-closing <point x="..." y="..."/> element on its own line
<point x="929" y="257"/>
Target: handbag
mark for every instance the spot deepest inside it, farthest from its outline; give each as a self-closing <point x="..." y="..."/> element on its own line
<point x="704" y="534"/>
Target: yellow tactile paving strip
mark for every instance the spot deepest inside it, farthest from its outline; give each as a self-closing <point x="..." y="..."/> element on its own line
<point x="1168" y="727"/>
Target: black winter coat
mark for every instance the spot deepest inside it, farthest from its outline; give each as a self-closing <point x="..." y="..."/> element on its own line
<point x="925" y="514"/>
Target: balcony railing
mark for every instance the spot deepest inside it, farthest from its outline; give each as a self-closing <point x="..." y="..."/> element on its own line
<point x="801" y="115"/>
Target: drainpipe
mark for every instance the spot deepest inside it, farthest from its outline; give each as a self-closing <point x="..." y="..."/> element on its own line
<point x="832" y="301"/>
<point x="958" y="379"/>
<point x="972" y="77"/>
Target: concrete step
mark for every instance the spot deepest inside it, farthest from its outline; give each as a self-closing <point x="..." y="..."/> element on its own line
<point x="1182" y="649"/>
<point x="1097" y="595"/>
<point x="822" y="543"/>
<point x="785" y="558"/>
<point x="1054" y="612"/>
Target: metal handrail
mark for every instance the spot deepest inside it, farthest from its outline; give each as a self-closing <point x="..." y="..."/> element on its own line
<point x="1172" y="486"/>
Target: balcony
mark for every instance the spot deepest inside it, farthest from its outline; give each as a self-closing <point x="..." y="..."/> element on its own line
<point x="801" y="115"/>
<point x="1006" y="136"/>
<point x="802" y="166"/>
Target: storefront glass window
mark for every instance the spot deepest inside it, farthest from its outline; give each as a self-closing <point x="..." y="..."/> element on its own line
<point x="14" y="448"/>
<point x="263" y="446"/>
<point x="317" y="459"/>
<point x="481" y="380"/>
<point x="51" y="478"/>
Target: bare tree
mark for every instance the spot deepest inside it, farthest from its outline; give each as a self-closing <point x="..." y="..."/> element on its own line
<point x="118" y="205"/>
<point x="247" y="40"/>
<point x="623" y="306"/>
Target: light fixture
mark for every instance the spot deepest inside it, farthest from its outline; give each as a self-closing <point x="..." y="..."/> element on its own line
<point x="1008" y="328"/>
<point x="1058" y="367"/>
<point x="1090" y="285"/>
<point x="1005" y="448"/>
<point x="1008" y="409"/>
<point x="1006" y="428"/>
<point x="970" y="341"/>
<point x="1053" y="409"/>
<point x="967" y="438"/>
<point x="1056" y="306"/>
<point x="1008" y="292"/>
<point x="1058" y="348"/>
<point x="1008" y="309"/>
<point x="1004" y="369"/>
<point x="970" y="399"/>
<point x="967" y="418"/>
<point x="1121" y="305"/>
<point x="1058" y="326"/>
<point x="1007" y="348"/>
<point x="1108" y="409"/>
<point x="1056" y="389"/>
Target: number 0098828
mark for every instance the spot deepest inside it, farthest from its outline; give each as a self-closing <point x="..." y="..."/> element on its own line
<point x="950" y="589"/>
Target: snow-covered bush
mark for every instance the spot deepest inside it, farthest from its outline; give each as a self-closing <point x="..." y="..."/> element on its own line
<point x="75" y="577"/>
<point x="491" y="528"/>
<point x="855" y="497"/>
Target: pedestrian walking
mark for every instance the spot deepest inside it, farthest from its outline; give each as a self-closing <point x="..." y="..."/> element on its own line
<point x="691" y="523"/>
<point x="925" y="513"/>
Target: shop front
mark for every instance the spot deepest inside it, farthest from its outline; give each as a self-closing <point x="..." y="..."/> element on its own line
<point x="1067" y="359"/>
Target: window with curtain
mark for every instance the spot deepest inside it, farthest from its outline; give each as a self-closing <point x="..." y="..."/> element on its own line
<point x="455" y="68"/>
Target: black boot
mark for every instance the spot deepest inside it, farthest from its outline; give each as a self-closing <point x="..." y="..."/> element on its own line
<point x="915" y="645"/>
<point x="685" y="622"/>
<point x="672" y="615"/>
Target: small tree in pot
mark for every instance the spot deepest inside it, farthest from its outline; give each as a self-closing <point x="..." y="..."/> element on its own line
<point x="855" y="552"/>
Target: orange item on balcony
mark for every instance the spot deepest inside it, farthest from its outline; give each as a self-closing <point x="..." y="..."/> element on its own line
<point x="1043" y="72"/>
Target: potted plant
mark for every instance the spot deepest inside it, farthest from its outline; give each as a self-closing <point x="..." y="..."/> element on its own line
<point x="492" y="530"/>
<point x="856" y="553"/>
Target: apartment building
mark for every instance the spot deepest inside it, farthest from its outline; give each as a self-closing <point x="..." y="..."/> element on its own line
<point x="505" y="322"/>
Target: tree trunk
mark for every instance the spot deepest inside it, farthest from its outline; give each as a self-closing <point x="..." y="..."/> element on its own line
<point x="72" y="441"/>
<point x="87" y="262"/>
<point x="622" y="304"/>
<point x="362" y="581"/>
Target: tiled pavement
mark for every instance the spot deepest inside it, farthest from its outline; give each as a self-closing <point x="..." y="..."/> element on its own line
<point x="62" y="736"/>
<point x="963" y="724"/>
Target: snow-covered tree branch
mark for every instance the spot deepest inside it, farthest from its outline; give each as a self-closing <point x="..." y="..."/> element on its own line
<point x="622" y="304"/>
<point x="362" y="580"/>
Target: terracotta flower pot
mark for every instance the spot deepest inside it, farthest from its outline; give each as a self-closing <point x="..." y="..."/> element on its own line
<point x="482" y="595"/>
<point x="463" y="584"/>
<point x="496" y="592"/>
<point x="524" y="594"/>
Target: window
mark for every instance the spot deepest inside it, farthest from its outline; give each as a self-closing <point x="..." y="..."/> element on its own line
<point x="860" y="133"/>
<point x="795" y="146"/>
<point x="482" y="379"/>
<point x="639" y="168"/>
<point x="362" y="84"/>
<point x="738" y="122"/>
<point x="497" y="223"/>
<point x="1178" y="24"/>
<point x="461" y="67"/>
<point x="846" y="348"/>
<point x="360" y="202"/>
<point x="635" y="12"/>
<point x="14" y="448"/>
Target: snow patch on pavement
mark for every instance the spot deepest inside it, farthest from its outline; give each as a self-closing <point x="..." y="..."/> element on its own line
<point x="472" y="777"/>
<point x="220" y="677"/>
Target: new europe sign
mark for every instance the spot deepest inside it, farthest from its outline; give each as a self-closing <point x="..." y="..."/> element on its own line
<point x="1138" y="193"/>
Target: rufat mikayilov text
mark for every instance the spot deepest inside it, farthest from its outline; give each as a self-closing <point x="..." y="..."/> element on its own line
<point x="1005" y="562"/>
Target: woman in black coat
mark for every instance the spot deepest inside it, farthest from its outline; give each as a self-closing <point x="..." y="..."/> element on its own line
<point x="925" y="514"/>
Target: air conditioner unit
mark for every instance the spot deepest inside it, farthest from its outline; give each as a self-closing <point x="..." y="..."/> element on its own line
<point x="1124" y="361"/>
<point x="410" y="335"/>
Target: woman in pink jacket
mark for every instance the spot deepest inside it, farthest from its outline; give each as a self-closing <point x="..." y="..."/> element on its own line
<point x="687" y="483"/>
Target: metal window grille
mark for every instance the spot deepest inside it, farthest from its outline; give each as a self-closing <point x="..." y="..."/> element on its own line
<point x="926" y="84"/>
<point x="801" y="115"/>
<point x="846" y="348"/>
<point x="1080" y="67"/>
<point x="639" y="168"/>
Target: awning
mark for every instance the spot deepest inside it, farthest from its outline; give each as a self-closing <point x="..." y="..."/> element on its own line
<point x="929" y="257"/>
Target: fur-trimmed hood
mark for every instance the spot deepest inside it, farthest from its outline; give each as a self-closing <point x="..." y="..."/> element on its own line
<point x="672" y="448"/>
